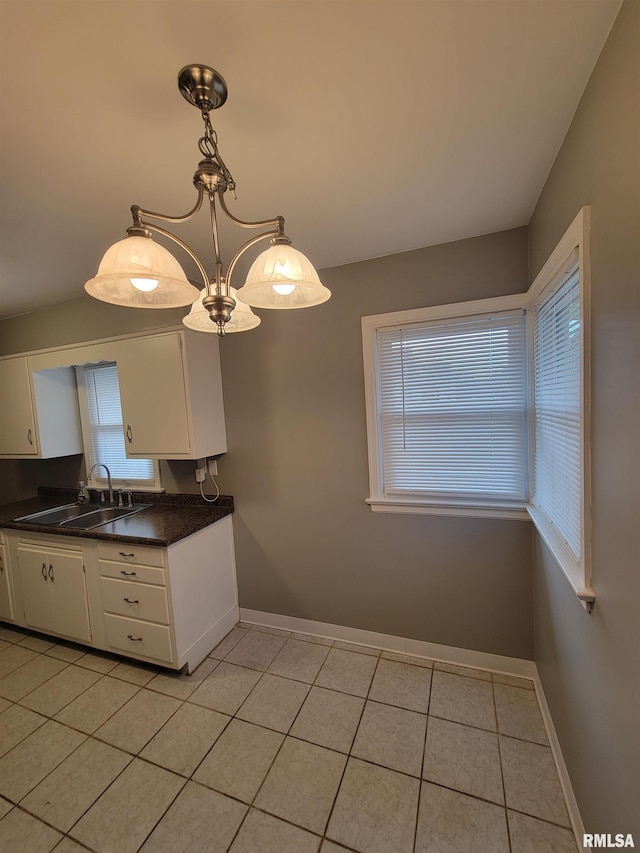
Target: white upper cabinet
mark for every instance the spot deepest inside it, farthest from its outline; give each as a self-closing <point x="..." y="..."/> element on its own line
<point x="153" y="396"/>
<point x="17" y="423"/>
<point x="170" y="392"/>
<point x="38" y="411"/>
<point x="171" y="396"/>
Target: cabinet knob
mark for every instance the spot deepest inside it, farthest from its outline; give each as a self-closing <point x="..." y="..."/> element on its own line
<point x="131" y="600"/>
<point x="135" y="639"/>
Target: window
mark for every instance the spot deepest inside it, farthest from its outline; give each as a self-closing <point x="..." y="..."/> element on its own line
<point x="452" y="408"/>
<point x="481" y="408"/>
<point x="447" y="405"/>
<point x="557" y="415"/>
<point x="559" y="377"/>
<point x="102" y="430"/>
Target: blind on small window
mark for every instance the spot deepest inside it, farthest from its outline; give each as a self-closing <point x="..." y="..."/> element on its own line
<point x="452" y="409"/>
<point x="557" y="403"/>
<point x="105" y="420"/>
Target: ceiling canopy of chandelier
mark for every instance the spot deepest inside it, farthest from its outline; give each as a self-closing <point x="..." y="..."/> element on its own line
<point x="137" y="272"/>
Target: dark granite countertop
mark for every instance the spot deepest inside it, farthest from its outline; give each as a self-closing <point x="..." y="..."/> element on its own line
<point x="168" y="519"/>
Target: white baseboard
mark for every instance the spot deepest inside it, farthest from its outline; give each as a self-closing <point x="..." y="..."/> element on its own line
<point x="419" y="648"/>
<point x="563" y="774"/>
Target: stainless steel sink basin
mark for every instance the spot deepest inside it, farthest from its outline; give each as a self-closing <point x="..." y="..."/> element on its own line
<point x="58" y="514"/>
<point x="80" y="516"/>
<point x="102" y="516"/>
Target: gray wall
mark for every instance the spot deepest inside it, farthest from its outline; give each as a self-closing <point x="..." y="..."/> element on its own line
<point x="307" y="544"/>
<point x="589" y="665"/>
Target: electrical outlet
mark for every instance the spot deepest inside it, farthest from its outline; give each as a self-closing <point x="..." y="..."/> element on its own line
<point x="212" y="466"/>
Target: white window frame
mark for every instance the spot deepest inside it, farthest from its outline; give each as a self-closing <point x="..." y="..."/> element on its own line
<point x="575" y="240"/>
<point x="556" y="269"/>
<point x="99" y="478"/>
<point x="378" y="501"/>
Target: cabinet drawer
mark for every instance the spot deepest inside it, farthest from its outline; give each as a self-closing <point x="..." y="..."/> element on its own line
<point x="136" y="600"/>
<point x="145" y="574"/>
<point x="122" y="552"/>
<point x="138" y="638"/>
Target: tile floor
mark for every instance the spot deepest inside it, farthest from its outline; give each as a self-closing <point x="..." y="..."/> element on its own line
<point x="278" y="743"/>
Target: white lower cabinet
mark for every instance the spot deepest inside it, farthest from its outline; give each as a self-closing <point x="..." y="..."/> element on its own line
<point x="137" y="613"/>
<point x="6" y="603"/>
<point x="139" y="639"/>
<point x="54" y="592"/>
<point x="168" y="606"/>
<point x="135" y="600"/>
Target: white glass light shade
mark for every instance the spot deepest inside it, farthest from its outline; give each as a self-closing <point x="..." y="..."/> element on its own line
<point x="242" y="317"/>
<point x="127" y="273"/>
<point x="282" y="277"/>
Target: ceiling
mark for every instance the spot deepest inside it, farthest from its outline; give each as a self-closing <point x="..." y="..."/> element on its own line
<point x="373" y="127"/>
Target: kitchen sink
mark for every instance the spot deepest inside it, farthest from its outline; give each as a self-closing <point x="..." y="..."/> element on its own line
<point x="58" y="514"/>
<point x="80" y="516"/>
<point x="102" y="516"/>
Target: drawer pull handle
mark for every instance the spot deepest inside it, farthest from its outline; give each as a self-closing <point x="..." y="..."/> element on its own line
<point x="122" y="554"/>
<point x="50" y="571"/>
<point x="131" y="601"/>
<point x="128" y="574"/>
<point x="135" y="639"/>
<point x="129" y="434"/>
<point x="44" y="571"/>
<point x="30" y="437"/>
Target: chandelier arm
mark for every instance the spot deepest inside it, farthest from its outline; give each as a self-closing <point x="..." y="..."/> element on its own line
<point x="221" y="286"/>
<point x="243" y="249"/>
<point x="138" y="212"/>
<point x="214" y="229"/>
<point x="184" y="246"/>
<point x="277" y="221"/>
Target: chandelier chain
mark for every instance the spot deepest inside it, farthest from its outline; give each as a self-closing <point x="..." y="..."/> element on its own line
<point x="208" y="145"/>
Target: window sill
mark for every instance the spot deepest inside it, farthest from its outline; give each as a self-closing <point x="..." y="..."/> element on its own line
<point x="125" y="487"/>
<point x="572" y="569"/>
<point x="518" y="513"/>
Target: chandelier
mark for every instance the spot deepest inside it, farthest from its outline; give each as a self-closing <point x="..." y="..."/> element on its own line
<point x="137" y="272"/>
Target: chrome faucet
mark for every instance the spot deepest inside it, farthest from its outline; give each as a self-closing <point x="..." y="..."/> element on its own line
<point x="102" y="465"/>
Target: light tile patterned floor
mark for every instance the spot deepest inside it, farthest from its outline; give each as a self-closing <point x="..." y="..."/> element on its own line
<point x="278" y="743"/>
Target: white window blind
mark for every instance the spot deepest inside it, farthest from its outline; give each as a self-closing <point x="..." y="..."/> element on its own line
<point x="451" y="409"/>
<point x="557" y="403"/>
<point x="105" y="428"/>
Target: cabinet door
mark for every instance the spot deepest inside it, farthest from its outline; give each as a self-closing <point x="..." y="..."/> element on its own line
<point x="153" y="394"/>
<point x="65" y="570"/>
<point x="34" y="580"/>
<point x="6" y="608"/>
<point x="17" y="424"/>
